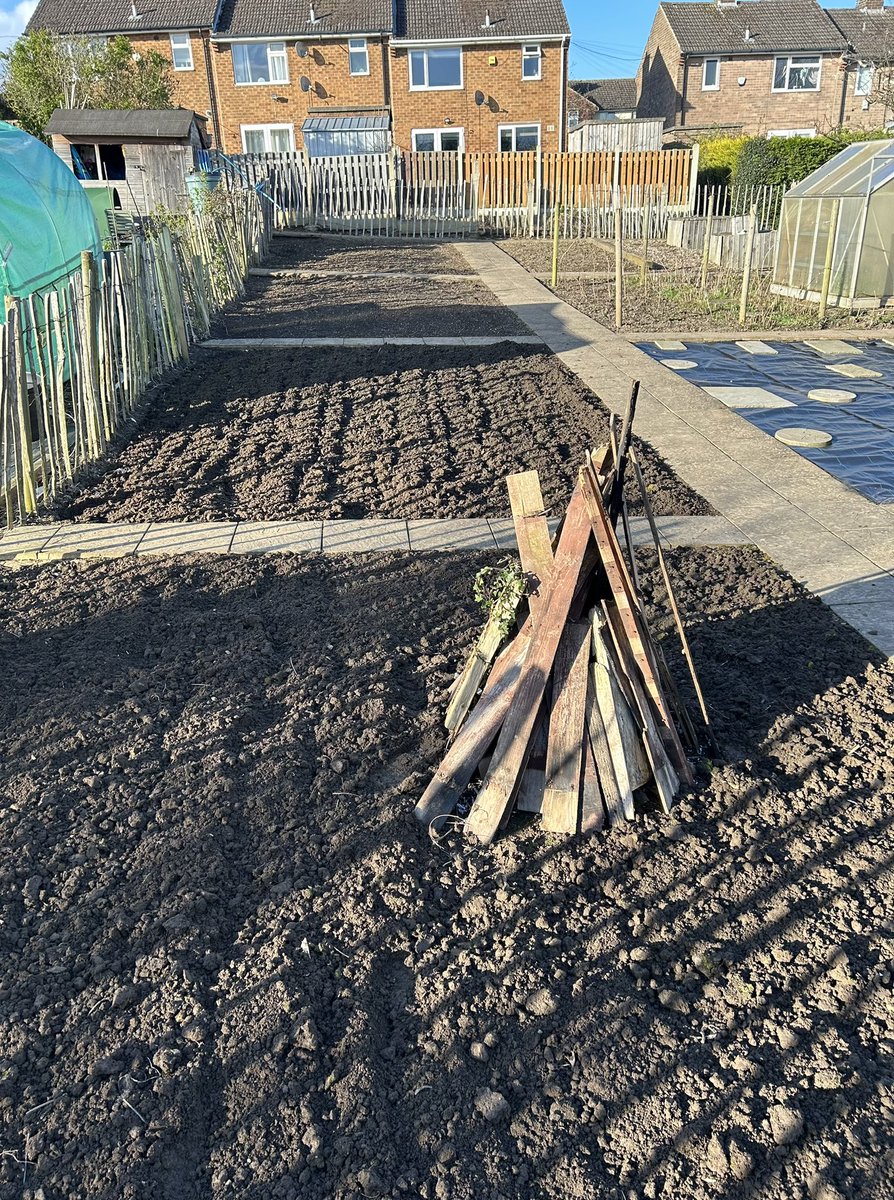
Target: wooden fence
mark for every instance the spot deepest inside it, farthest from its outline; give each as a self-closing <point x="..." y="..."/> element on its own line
<point x="640" y="133"/>
<point x="452" y="194"/>
<point x="77" y="357"/>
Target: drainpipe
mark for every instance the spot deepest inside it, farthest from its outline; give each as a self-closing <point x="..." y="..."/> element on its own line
<point x="684" y="87"/>
<point x="843" y="104"/>
<point x="212" y="93"/>
<point x="563" y="99"/>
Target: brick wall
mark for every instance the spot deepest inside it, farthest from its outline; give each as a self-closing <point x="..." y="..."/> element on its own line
<point x="881" y="101"/>
<point x="511" y="100"/>
<point x="660" y="76"/>
<point x="333" y="86"/>
<point x="754" y="105"/>
<point x="191" y="88"/>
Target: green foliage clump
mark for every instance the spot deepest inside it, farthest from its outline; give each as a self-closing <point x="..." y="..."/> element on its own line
<point x="43" y="71"/>
<point x="782" y="160"/>
<point x="498" y="591"/>
<point x="718" y="158"/>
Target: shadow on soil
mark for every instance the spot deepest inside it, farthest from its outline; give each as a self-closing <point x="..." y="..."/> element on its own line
<point x="221" y="910"/>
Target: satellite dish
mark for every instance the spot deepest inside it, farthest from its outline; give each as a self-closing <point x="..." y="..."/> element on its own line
<point x="479" y="98"/>
<point x="304" y="83"/>
<point x="301" y="49"/>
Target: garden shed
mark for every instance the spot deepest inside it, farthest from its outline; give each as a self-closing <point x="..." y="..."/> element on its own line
<point x="145" y="154"/>
<point x="848" y="205"/>
<point x="45" y="219"/>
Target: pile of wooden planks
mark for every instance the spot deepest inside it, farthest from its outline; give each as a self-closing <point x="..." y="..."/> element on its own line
<point x="573" y="712"/>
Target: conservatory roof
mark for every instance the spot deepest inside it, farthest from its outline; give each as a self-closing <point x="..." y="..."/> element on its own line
<point x="858" y="170"/>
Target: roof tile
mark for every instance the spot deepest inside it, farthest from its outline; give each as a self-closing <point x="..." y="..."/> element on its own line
<point x="793" y="25"/>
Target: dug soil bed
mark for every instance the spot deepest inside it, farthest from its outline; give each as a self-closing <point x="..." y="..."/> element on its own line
<point x="397" y="431"/>
<point x="236" y="966"/>
<point x="356" y="254"/>
<point x="277" y="307"/>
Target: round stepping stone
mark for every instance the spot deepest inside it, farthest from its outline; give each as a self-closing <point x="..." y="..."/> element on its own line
<point x="806" y="439"/>
<point x="831" y="396"/>
<point x="679" y="364"/>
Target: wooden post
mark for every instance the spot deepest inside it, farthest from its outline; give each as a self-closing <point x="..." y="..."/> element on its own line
<point x="706" y="250"/>
<point x="827" y="265"/>
<point x="557" y="212"/>
<point x="647" y="221"/>
<point x="619" y="264"/>
<point x="749" y="252"/>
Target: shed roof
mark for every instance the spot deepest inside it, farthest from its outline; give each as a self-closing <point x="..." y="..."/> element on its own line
<point x="346" y="123"/>
<point x="771" y="25"/>
<point x="609" y="95"/>
<point x="254" y="18"/>
<point x="116" y="16"/>
<point x="858" y="170"/>
<point x="869" y="34"/>
<point x="465" y="19"/>
<point x="147" y="123"/>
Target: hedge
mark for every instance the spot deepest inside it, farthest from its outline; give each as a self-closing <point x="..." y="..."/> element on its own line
<point x="782" y="160"/>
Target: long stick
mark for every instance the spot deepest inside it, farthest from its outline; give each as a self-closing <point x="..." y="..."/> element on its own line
<point x="827" y="265"/>
<point x="619" y="284"/>
<point x="749" y="253"/>
<point x="665" y="575"/>
<point x="706" y="249"/>
<point x="555" y="273"/>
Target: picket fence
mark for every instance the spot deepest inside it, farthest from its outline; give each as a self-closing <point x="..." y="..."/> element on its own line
<point x="454" y="194"/>
<point x="77" y="357"/>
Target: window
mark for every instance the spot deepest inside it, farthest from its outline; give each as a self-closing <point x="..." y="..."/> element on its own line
<point x="267" y="139"/>
<point x="432" y="70"/>
<point x="711" y="75"/>
<point x="260" y="62"/>
<point x="531" y="61"/>
<point x="104" y="161"/>
<point x="438" y="139"/>
<point x="519" y="137"/>
<point x="863" y="80"/>
<point x="797" y="73"/>
<point x="181" y="51"/>
<point x="358" y="56"/>
<point x="771" y="133"/>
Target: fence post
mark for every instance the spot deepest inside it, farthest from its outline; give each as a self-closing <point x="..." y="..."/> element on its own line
<point x="827" y="265"/>
<point x="647" y="221"/>
<point x="693" y="175"/>
<point x="706" y="249"/>
<point x="556" y="214"/>
<point x="476" y="185"/>
<point x="25" y="482"/>
<point x="619" y="263"/>
<point x="749" y="251"/>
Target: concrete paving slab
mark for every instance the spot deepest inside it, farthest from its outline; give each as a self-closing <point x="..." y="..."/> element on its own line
<point x="853" y="371"/>
<point x="95" y="540"/>
<point x="26" y="539"/>
<point x="748" y="397"/>
<point x="832" y="347"/>
<point x="277" y="537"/>
<point x="688" y="531"/>
<point x="358" y="537"/>
<point x="756" y="347"/>
<point x="187" y="537"/>
<point x="669" y="344"/>
<point x="679" y="364"/>
<point x="456" y="534"/>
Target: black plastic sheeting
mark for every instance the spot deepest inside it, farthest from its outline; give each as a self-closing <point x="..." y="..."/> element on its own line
<point x="862" y="449"/>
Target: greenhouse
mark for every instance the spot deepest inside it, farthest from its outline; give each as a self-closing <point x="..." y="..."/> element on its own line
<point x="46" y="219"/>
<point x="846" y="206"/>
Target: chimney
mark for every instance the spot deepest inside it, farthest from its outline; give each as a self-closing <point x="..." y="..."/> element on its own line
<point x="870" y="5"/>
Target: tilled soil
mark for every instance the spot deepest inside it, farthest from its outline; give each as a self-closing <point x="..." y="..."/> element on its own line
<point x="235" y="966"/>
<point x="415" y="432"/>
<point x="357" y="254"/>
<point x="282" y="307"/>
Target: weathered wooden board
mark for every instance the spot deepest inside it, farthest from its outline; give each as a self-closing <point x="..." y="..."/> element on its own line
<point x="512" y="745"/>
<point x="611" y="795"/>
<point x="592" y="811"/>
<point x="636" y="764"/>
<point x="531" y="533"/>
<point x="561" y="798"/>
<point x="473" y="673"/>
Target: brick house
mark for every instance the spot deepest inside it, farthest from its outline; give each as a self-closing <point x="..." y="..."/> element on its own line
<point x="352" y="75"/>
<point x="601" y="100"/>
<point x="760" y="67"/>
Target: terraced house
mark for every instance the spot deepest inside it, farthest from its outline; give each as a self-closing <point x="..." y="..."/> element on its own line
<point x="768" y="66"/>
<point x="348" y="76"/>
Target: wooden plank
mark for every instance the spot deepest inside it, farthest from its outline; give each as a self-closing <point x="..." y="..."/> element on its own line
<point x="561" y="799"/>
<point x="631" y="768"/>
<point x="512" y="746"/>
<point x="532" y="533"/>
<point x="461" y="761"/>
<point x="530" y="790"/>
<point x="476" y="667"/>
<point x="592" y="810"/>
<point x="605" y="770"/>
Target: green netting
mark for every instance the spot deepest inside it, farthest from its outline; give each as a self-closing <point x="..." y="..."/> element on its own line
<point x="46" y="219"/>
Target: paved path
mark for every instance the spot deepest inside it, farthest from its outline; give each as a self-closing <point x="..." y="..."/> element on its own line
<point x="839" y="544"/>
<point x="50" y="543"/>
<point x="288" y="343"/>
<point x="351" y="273"/>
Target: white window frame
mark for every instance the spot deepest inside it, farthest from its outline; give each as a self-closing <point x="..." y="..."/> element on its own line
<point x="870" y="70"/>
<point x="533" y="51"/>
<point x="715" y="86"/>
<point x="441" y="87"/>
<point x="266" y="129"/>
<point x="278" y="54"/>
<point x="788" y="59"/>
<point x="786" y="133"/>
<point x="514" y="128"/>
<point x="177" y="43"/>
<point x="437" y="131"/>
<point x="358" y="46"/>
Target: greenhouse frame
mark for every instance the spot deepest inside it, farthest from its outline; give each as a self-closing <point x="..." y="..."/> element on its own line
<point x="849" y="202"/>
